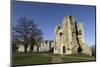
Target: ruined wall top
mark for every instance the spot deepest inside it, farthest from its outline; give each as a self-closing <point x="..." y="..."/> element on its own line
<point x="72" y="18"/>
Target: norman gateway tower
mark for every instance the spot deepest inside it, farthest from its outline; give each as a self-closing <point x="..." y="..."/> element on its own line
<point x="69" y="38"/>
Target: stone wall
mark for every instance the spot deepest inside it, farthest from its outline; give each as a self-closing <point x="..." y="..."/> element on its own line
<point x="44" y="47"/>
<point x="69" y="38"/>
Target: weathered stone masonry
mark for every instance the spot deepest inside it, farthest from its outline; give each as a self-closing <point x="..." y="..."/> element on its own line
<point x="69" y="38"/>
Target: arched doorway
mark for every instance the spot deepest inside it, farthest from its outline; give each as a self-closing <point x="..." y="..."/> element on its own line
<point x="64" y="49"/>
<point x="79" y="49"/>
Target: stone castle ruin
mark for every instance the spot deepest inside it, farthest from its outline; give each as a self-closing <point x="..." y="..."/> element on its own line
<point x="45" y="46"/>
<point x="69" y="38"/>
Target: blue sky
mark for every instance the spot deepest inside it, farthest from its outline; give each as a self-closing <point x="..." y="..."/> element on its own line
<point x="47" y="16"/>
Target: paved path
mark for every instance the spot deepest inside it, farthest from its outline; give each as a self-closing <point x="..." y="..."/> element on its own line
<point x="56" y="59"/>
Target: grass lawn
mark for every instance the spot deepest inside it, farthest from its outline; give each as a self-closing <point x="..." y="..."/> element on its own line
<point x="30" y="58"/>
<point x="78" y="58"/>
<point x="43" y="58"/>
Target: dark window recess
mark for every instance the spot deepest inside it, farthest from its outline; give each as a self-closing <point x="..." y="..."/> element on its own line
<point x="73" y="32"/>
<point x="60" y="34"/>
<point x="79" y="33"/>
<point x="58" y="27"/>
<point x="64" y="49"/>
<point x="46" y="42"/>
<point x="68" y="49"/>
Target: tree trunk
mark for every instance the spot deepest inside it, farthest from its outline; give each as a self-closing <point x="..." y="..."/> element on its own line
<point x="14" y="48"/>
<point x="31" y="48"/>
<point x="25" y="48"/>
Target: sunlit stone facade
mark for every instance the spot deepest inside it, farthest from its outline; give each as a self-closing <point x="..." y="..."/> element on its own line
<point x="69" y="38"/>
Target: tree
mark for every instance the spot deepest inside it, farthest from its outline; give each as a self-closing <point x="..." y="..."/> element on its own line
<point x="39" y="40"/>
<point x="27" y="32"/>
<point x="35" y="37"/>
<point x="14" y="42"/>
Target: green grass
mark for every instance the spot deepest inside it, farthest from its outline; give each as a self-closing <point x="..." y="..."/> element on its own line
<point x="44" y="58"/>
<point x="30" y="58"/>
<point x="77" y="58"/>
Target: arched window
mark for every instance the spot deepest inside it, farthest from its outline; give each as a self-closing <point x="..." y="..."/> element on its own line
<point x="60" y="34"/>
